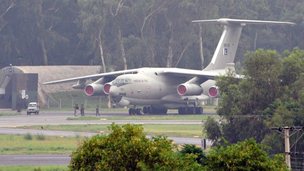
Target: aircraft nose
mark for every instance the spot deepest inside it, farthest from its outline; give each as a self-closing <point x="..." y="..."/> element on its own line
<point x="114" y="91"/>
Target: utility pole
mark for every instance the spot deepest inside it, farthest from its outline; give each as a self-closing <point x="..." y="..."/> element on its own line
<point x="286" y="131"/>
<point x="287" y="147"/>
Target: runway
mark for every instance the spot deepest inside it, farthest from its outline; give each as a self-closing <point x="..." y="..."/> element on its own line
<point x="34" y="160"/>
<point x="8" y="125"/>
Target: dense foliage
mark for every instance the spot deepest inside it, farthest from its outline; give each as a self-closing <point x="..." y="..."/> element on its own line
<point x="270" y="95"/>
<point x="246" y="155"/>
<point x="128" y="148"/>
<point x="119" y="34"/>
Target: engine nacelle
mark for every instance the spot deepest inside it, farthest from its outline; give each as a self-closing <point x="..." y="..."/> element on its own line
<point x="189" y="89"/>
<point x="94" y="89"/>
<point x="106" y="88"/>
<point x="210" y="89"/>
<point x="213" y="91"/>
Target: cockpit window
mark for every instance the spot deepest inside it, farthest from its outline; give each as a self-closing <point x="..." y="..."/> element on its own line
<point x="120" y="82"/>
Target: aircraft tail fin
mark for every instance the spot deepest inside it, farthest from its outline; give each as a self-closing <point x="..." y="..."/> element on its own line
<point x="228" y="43"/>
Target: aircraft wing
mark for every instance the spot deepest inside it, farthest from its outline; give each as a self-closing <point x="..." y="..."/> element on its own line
<point x="193" y="73"/>
<point x="94" y="76"/>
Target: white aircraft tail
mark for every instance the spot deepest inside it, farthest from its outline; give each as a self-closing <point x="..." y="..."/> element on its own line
<point x="227" y="46"/>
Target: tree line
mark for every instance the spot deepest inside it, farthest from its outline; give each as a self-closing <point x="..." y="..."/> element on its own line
<point x="271" y="95"/>
<point x="121" y="34"/>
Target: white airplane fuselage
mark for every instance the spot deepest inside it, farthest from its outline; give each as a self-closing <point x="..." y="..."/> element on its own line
<point x="147" y="87"/>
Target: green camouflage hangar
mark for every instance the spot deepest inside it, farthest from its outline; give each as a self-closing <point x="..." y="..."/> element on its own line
<point x="20" y="85"/>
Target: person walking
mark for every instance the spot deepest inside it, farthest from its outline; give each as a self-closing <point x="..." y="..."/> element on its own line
<point x="97" y="110"/>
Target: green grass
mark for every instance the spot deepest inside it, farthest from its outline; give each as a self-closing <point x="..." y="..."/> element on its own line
<point x="19" y="144"/>
<point x="150" y="129"/>
<point x="9" y="113"/>
<point x="33" y="168"/>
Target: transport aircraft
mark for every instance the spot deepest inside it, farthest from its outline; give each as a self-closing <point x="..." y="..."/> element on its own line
<point x="155" y="90"/>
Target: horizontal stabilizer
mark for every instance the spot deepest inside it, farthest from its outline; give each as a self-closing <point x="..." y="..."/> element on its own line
<point x="227" y="21"/>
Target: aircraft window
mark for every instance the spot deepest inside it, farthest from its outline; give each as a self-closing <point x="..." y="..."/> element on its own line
<point x="121" y="82"/>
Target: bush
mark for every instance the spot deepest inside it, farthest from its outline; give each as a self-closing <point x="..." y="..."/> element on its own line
<point x="128" y="148"/>
<point x="245" y="155"/>
<point x="196" y="151"/>
<point x="40" y="137"/>
<point x="28" y="136"/>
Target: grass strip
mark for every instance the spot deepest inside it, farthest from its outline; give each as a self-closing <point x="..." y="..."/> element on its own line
<point x="35" y="168"/>
<point x="35" y="144"/>
<point x="150" y="129"/>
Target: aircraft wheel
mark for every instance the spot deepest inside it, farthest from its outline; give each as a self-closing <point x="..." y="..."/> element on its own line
<point x="147" y="109"/>
<point x="131" y="111"/>
<point x="138" y="111"/>
<point x="158" y="110"/>
<point x="181" y="110"/>
<point x="190" y="110"/>
<point x="165" y="110"/>
<point x="198" y="110"/>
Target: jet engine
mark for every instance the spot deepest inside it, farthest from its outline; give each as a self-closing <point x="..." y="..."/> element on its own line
<point x="213" y="91"/>
<point x="210" y="89"/>
<point x="106" y="88"/>
<point x="188" y="89"/>
<point x="94" y="89"/>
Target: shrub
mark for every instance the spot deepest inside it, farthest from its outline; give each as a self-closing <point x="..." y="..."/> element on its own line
<point x="40" y="137"/>
<point x="28" y="136"/>
<point x="128" y="148"/>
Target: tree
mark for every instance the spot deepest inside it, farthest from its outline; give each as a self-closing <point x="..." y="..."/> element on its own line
<point x="243" y="101"/>
<point x="213" y="130"/>
<point x="128" y="148"/>
<point x="194" y="150"/>
<point x="92" y="21"/>
<point x="270" y="95"/>
<point x="246" y="155"/>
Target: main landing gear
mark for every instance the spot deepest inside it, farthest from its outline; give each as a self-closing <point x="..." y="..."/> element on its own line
<point x="163" y="110"/>
<point x="135" y="111"/>
<point x="155" y="110"/>
<point x="190" y="110"/>
<point x="148" y="110"/>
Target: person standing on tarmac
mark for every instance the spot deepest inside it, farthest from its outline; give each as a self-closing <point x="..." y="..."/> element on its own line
<point x="82" y="110"/>
<point x="97" y="110"/>
<point x="76" y="107"/>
